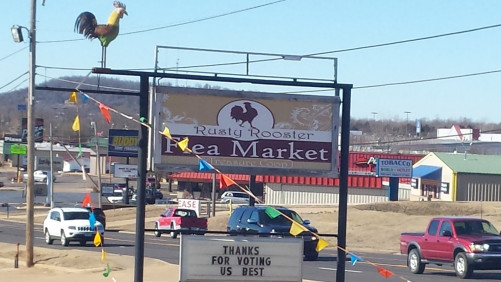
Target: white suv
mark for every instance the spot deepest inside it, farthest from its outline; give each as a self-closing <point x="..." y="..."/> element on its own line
<point x="70" y="224"/>
<point x="39" y="176"/>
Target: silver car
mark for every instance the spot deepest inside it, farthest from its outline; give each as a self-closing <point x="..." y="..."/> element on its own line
<point x="235" y="197"/>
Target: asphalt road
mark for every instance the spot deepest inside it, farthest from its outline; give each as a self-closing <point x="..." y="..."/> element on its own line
<point x="70" y="189"/>
<point x="324" y="269"/>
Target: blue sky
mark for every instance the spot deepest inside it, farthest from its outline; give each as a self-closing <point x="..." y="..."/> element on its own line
<point x="289" y="27"/>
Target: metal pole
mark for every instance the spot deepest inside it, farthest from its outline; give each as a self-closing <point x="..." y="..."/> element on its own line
<point x="141" y="181"/>
<point x="30" y="193"/>
<point x="214" y="196"/>
<point x="343" y="185"/>
<point x="98" y="164"/>
<point x="51" y="183"/>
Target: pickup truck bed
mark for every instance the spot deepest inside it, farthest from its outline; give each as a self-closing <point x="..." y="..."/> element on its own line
<point x="180" y="220"/>
<point x="467" y="243"/>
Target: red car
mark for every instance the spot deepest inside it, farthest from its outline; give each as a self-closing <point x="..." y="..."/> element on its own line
<point x="468" y="243"/>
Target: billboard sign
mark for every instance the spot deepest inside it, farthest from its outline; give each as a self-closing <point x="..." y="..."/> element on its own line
<point x="123" y="143"/>
<point x="13" y="138"/>
<point x="239" y="258"/>
<point x="125" y="171"/>
<point x="18" y="149"/>
<point x="393" y="168"/>
<point x="248" y="132"/>
<point x="43" y="163"/>
<point x="38" y="130"/>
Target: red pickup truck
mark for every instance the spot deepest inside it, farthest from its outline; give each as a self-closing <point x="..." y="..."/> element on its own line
<point x="179" y="220"/>
<point x="467" y="243"/>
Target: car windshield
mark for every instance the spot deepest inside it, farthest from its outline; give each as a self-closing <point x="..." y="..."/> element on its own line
<point x="280" y="220"/>
<point x="471" y="227"/>
<point x="76" y="215"/>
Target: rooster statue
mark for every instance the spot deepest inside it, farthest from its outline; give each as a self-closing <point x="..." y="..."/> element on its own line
<point x="86" y="24"/>
<point x="238" y="114"/>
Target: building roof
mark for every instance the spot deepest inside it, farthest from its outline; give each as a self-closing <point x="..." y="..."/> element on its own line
<point x="471" y="163"/>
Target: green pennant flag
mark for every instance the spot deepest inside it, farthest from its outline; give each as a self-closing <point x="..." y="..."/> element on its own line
<point x="80" y="153"/>
<point x="108" y="270"/>
<point x="271" y="212"/>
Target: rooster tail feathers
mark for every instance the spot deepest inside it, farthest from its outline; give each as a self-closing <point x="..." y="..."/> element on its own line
<point x="85" y="24"/>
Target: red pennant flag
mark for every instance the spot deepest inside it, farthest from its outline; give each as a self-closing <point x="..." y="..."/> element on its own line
<point x="384" y="272"/>
<point x="105" y="112"/>
<point x="86" y="200"/>
<point x="225" y="181"/>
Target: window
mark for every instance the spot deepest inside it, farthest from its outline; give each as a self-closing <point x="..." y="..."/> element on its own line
<point x="446" y="226"/>
<point x="432" y="230"/>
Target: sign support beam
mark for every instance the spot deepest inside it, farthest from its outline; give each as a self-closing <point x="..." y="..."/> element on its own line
<point x="143" y="144"/>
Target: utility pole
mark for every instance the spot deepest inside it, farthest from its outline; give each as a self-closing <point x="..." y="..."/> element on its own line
<point x="30" y="193"/>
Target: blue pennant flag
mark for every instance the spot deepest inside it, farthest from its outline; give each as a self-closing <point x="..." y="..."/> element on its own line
<point x="204" y="166"/>
<point x="84" y="97"/>
<point x="354" y="259"/>
<point x="92" y="220"/>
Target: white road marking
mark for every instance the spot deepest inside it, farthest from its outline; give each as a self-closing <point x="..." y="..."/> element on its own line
<point x="334" y="269"/>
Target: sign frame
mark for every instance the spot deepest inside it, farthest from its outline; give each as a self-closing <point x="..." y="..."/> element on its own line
<point x="287" y="134"/>
<point x="240" y="258"/>
<point x="393" y="168"/>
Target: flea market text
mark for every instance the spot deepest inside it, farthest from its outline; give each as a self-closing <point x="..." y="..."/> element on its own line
<point x="290" y="150"/>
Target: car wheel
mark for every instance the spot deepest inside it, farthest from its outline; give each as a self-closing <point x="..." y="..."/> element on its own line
<point x="173" y="234"/>
<point x="48" y="239"/>
<point x="463" y="269"/>
<point x="64" y="240"/>
<point x="414" y="262"/>
<point x="157" y="232"/>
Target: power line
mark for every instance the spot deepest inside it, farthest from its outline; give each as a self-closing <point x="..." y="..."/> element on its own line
<point x="204" y="19"/>
<point x="11" y="54"/>
<point x="175" y="25"/>
<point x="407" y="40"/>
<point x="428" y="80"/>
<point x="8" y="83"/>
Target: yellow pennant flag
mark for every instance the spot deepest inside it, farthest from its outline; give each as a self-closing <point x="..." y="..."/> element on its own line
<point x="103" y="255"/>
<point x="183" y="144"/>
<point x="321" y="244"/>
<point x="166" y="132"/>
<point x="76" y="124"/>
<point x="296" y="228"/>
<point x="97" y="240"/>
<point x="73" y="97"/>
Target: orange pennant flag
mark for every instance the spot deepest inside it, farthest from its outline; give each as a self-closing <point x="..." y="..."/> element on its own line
<point x="321" y="244"/>
<point x="183" y="144"/>
<point x="86" y="200"/>
<point x="296" y="228"/>
<point x="225" y="181"/>
<point x="384" y="272"/>
<point x="104" y="111"/>
<point x="73" y="97"/>
<point x="76" y="124"/>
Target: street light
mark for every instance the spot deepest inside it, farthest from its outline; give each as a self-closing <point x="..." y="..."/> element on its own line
<point x="407" y="124"/>
<point x="17" y="34"/>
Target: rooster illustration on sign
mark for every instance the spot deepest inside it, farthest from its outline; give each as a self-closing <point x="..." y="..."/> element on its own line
<point x="244" y="115"/>
<point x="86" y="24"/>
